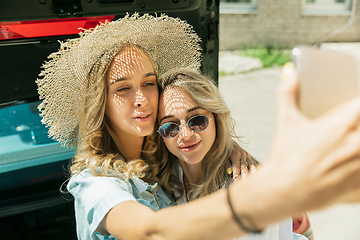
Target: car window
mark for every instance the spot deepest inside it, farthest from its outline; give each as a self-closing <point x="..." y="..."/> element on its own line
<point x="24" y="139"/>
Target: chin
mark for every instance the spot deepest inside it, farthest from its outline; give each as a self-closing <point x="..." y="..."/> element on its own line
<point x="147" y="132"/>
<point x="192" y="159"/>
<point x="144" y="131"/>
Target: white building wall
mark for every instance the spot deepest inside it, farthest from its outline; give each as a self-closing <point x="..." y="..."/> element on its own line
<point x="281" y="23"/>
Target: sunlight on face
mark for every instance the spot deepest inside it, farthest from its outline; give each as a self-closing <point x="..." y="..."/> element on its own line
<point x="176" y="105"/>
<point x="132" y="98"/>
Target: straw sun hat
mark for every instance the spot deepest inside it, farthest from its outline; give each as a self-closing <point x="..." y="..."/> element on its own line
<point x="170" y="43"/>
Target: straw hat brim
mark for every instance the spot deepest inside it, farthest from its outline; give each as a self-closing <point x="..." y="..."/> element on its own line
<point x="170" y="43"/>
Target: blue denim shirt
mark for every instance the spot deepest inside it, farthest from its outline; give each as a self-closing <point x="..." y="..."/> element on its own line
<point x="95" y="196"/>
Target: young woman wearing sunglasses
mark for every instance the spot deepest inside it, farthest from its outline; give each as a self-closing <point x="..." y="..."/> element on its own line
<point x="198" y="131"/>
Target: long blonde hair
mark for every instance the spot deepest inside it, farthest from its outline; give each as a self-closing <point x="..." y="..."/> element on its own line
<point x="207" y="95"/>
<point x="98" y="149"/>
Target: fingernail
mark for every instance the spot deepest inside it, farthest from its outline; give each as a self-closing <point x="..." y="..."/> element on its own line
<point x="228" y="170"/>
<point x="287" y="70"/>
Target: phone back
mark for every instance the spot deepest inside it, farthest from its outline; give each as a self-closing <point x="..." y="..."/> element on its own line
<point x="327" y="78"/>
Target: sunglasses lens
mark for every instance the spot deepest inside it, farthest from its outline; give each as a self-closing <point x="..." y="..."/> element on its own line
<point x="168" y="130"/>
<point x="198" y="123"/>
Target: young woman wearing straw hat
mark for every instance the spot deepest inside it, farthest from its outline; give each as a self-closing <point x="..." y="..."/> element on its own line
<point x="99" y="93"/>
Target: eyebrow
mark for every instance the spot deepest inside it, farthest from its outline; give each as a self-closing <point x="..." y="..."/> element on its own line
<point x="125" y="78"/>
<point x="188" y="111"/>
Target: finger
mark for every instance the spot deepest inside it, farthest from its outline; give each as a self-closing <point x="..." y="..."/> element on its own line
<point x="235" y="163"/>
<point x="287" y="92"/>
<point x="252" y="165"/>
<point x="345" y="150"/>
<point x="235" y="157"/>
<point x="252" y="168"/>
<point x="236" y="173"/>
<point x="344" y="117"/>
<point x="244" y="168"/>
<point x="345" y="179"/>
<point x="332" y="187"/>
<point x="251" y="162"/>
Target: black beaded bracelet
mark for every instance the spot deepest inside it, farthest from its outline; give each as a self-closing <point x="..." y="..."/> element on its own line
<point x="237" y="219"/>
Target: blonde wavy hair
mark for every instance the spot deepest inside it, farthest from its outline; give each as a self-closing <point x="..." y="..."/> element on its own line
<point x="207" y="95"/>
<point x="98" y="150"/>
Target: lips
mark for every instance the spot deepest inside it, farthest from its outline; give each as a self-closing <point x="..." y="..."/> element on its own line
<point x="189" y="147"/>
<point x="142" y="116"/>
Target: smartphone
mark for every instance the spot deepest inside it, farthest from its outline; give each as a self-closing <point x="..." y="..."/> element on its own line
<point x="327" y="78"/>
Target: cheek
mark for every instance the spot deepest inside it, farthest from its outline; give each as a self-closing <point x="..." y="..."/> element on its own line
<point x="154" y="99"/>
<point x="212" y="133"/>
<point x="171" y="145"/>
<point x="113" y="104"/>
<point x="110" y="108"/>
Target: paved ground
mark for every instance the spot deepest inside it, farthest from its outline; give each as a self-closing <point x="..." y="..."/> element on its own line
<point x="251" y="98"/>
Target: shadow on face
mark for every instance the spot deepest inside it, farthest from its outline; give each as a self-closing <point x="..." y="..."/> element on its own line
<point x="132" y="94"/>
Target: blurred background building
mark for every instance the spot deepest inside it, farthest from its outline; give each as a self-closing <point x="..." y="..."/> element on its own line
<point x="286" y="23"/>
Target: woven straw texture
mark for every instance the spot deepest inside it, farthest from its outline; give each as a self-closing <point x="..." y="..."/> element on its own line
<point x="170" y="43"/>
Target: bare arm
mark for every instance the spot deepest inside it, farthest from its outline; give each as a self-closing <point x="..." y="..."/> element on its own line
<point x="319" y="158"/>
<point x="194" y="220"/>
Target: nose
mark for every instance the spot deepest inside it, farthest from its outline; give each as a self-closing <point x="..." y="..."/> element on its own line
<point x="185" y="132"/>
<point x="140" y="99"/>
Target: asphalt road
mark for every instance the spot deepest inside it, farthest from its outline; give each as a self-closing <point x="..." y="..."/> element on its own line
<point x="251" y="98"/>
